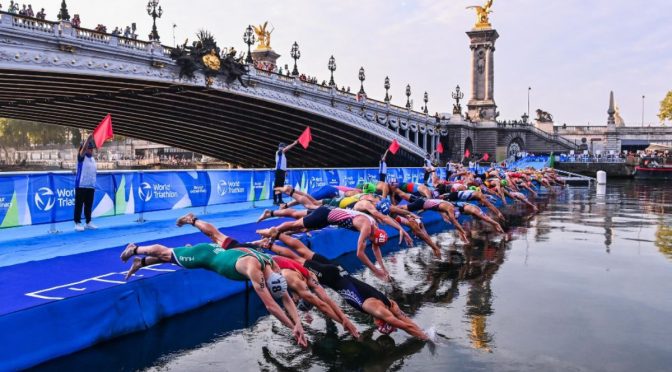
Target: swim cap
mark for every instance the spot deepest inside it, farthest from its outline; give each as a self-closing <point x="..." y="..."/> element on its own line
<point x="282" y="145"/>
<point x="369" y="188"/>
<point x="277" y="285"/>
<point x="473" y="188"/>
<point x="383" y="206"/>
<point x="379" y="236"/>
<point x="504" y="183"/>
<point x="479" y="181"/>
<point x="383" y="326"/>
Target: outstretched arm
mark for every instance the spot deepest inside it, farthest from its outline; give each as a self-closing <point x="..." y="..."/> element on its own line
<point x="322" y="295"/>
<point x="289" y="147"/>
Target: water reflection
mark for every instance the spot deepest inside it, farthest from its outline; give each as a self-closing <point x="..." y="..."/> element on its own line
<point x="557" y="257"/>
<point x="664" y="240"/>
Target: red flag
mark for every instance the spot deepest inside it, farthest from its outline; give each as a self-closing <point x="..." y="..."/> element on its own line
<point x="467" y="154"/>
<point x="103" y="131"/>
<point x="486" y="157"/>
<point x="394" y="147"/>
<point x="439" y="148"/>
<point x="305" y="138"/>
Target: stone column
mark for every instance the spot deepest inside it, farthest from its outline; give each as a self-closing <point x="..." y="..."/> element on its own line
<point x="481" y="106"/>
<point x="490" y="52"/>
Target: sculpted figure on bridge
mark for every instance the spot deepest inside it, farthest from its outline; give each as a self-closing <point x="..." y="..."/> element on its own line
<point x="544" y="117"/>
<point x="204" y="55"/>
<point x="482" y="20"/>
<point x="264" y="36"/>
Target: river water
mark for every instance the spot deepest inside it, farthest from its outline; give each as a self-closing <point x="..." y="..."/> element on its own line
<point x="583" y="285"/>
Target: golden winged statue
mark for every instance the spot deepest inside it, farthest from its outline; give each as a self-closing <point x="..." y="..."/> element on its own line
<point x="482" y="12"/>
<point x="263" y="36"/>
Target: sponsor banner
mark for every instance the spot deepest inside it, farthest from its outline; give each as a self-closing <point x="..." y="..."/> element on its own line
<point x="47" y="197"/>
<point x="197" y="186"/>
<point x="64" y="191"/>
<point x="13" y="206"/>
<point x="262" y="185"/>
<point x="125" y="198"/>
<point x="161" y="191"/>
<point x="230" y="186"/>
<point x="42" y="199"/>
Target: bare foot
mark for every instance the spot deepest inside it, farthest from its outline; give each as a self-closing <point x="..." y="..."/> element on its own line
<point x="187" y="219"/>
<point x="128" y="252"/>
<point x="137" y="264"/>
<point x="264" y="215"/>
<point x="269" y="233"/>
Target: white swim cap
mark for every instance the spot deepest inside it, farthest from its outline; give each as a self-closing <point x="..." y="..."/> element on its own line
<point x="277" y="285"/>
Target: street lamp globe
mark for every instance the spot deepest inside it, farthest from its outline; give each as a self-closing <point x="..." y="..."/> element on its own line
<point x="362" y="77"/>
<point x="295" y="53"/>
<point x="332" y="67"/>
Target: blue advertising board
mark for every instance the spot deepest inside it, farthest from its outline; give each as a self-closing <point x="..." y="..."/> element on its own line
<point x="37" y="198"/>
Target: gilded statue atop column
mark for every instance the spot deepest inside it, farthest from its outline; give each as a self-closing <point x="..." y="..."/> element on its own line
<point x="264" y="36"/>
<point x="482" y="20"/>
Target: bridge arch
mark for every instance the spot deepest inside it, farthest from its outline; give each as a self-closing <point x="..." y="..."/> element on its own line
<point x="514" y="144"/>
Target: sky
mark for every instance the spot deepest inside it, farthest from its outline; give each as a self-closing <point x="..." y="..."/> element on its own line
<point x="572" y="53"/>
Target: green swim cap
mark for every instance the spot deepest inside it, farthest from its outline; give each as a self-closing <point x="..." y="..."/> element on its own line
<point x="473" y="188"/>
<point x="369" y="188"/>
<point x="504" y="183"/>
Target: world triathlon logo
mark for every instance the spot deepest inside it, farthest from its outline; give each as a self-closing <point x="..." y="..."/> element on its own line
<point x="145" y="192"/>
<point x="45" y="199"/>
<point x="222" y="188"/>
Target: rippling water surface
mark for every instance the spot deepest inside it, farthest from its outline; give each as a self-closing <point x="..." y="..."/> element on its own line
<point x="584" y="285"/>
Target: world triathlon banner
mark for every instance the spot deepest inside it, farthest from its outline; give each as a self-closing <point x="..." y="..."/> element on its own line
<point x="38" y="198"/>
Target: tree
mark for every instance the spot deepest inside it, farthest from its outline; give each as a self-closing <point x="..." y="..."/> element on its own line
<point x="666" y="108"/>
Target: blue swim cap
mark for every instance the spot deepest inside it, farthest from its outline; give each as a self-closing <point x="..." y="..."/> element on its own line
<point x="383" y="206"/>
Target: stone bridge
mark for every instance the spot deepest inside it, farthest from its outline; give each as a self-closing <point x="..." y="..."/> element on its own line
<point x="55" y="73"/>
<point x="594" y="138"/>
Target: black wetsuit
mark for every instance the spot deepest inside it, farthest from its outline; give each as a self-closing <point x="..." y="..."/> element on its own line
<point x="353" y="291"/>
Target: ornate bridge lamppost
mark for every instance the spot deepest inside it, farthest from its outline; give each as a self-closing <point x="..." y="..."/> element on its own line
<point x="408" y="96"/>
<point x="457" y="96"/>
<point x="387" y="88"/>
<point x="332" y="67"/>
<point x="426" y="99"/>
<point x="295" y="53"/>
<point x="249" y="39"/>
<point x="155" y="13"/>
<point x="362" y="77"/>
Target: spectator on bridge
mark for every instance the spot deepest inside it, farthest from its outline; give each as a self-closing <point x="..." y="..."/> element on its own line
<point x="13" y="7"/>
<point x="85" y="184"/>
<point x="281" y="170"/>
<point x="41" y="15"/>
<point x="23" y="10"/>
<point x="116" y="31"/>
<point x="76" y="22"/>
<point x="29" y="11"/>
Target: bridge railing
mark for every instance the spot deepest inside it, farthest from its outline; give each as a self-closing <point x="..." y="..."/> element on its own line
<point x="32" y="24"/>
<point x="553" y="137"/>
